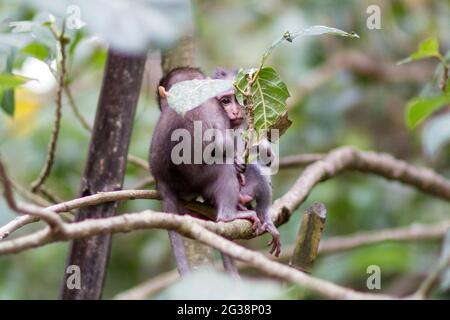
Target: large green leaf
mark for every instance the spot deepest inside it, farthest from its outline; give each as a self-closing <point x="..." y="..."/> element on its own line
<point x="186" y="95"/>
<point x="269" y="95"/>
<point x="427" y="49"/>
<point x="421" y="108"/>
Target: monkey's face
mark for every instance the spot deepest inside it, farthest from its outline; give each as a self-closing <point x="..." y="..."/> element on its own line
<point x="232" y="108"/>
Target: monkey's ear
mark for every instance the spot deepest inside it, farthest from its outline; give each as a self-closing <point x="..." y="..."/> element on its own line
<point x="162" y="92"/>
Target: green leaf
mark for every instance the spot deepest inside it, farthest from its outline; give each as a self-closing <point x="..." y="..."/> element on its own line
<point x="421" y="108"/>
<point x="37" y="50"/>
<point x="269" y="98"/>
<point x="309" y="31"/>
<point x="7" y="101"/>
<point x="186" y="95"/>
<point x="427" y="49"/>
<point x="76" y="40"/>
<point x="9" y="81"/>
<point x="319" y="30"/>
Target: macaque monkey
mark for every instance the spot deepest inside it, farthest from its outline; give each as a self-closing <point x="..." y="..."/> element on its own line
<point x="218" y="184"/>
<point x="255" y="182"/>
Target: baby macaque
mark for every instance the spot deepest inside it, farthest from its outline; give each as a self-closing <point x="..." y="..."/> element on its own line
<point x="254" y="177"/>
<point x="217" y="183"/>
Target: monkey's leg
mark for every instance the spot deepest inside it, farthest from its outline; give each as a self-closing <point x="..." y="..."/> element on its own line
<point x="263" y="200"/>
<point x="172" y="205"/>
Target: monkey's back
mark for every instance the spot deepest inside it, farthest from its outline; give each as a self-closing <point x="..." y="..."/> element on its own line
<point x="187" y="178"/>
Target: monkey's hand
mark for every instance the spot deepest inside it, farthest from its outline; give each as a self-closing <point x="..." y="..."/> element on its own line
<point x="275" y="243"/>
<point x="239" y="164"/>
<point x="246" y="214"/>
<point x="241" y="178"/>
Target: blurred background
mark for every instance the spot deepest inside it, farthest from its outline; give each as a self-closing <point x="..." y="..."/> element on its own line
<point x="343" y="92"/>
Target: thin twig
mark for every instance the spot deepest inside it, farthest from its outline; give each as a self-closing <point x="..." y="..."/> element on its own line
<point x="45" y="172"/>
<point x="137" y="161"/>
<point x="29" y="196"/>
<point x="75" y="109"/>
<point x="67" y="206"/>
<point x="50" y="195"/>
<point x="48" y="216"/>
<point x="143" y="183"/>
<point x="432" y="279"/>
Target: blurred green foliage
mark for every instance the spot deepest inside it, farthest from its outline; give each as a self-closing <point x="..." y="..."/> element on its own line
<point x="350" y="107"/>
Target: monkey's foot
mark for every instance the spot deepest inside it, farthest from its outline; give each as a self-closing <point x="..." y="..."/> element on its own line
<point x="246" y="214"/>
<point x="275" y="243"/>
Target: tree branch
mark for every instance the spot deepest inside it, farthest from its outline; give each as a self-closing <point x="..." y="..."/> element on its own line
<point x="347" y="158"/>
<point x="328" y="246"/>
<point x="51" y="218"/>
<point x="335" y="162"/>
<point x="202" y="231"/>
<point x="411" y="233"/>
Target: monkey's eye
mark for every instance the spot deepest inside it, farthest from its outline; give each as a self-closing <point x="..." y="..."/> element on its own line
<point x="225" y="100"/>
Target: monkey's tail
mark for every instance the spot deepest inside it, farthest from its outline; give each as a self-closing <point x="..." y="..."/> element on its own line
<point x="230" y="266"/>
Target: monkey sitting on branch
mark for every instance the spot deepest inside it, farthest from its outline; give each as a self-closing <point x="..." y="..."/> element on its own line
<point x="178" y="181"/>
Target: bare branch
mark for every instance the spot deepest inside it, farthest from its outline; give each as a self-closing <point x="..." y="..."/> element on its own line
<point x="149" y="287"/>
<point x="411" y="233"/>
<point x="28" y="195"/>
<point x="328" y="246"/>
<point x="347" y="158"/>
<point x="138" y="162"/>
<point x="335" y="162"/>
<point x="76" y="111"/>
<point x="48" y="216"/>
<point x="67" y="206"/>
<point x="194" y="228"/>
<point x="143" y="183"/>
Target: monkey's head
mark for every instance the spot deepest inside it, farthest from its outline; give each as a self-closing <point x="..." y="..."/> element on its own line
<point x="227" y="99"/>
<point x="176" y="75"/>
